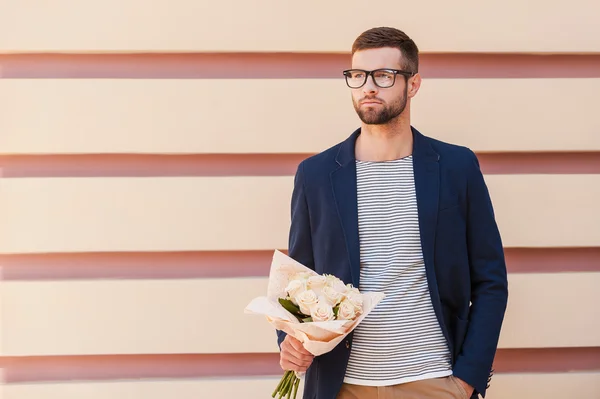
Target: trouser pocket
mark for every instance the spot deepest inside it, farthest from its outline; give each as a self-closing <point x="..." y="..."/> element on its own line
<point x="462" y="394"/>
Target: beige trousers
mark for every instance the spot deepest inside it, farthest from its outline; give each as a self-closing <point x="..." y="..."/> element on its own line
<point x="434" y="388"/>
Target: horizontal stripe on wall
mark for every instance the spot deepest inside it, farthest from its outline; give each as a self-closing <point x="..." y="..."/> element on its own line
<point x="219" y="264"/>
<point x="286" y="65"/>
<point x="539" y="304"/>
<point x="178" y="214"/>
<point x="186" y="25"/>
<point x="174" y="316"/>
<point x="545" y="386"/>
<point x="531" y="386"/>
<point x="225" y="388"/>
<point x="130" y="317"/>
<point x="113" y="115"/>
<point x="122" y="367"/>
<point x="249" y="213"/>
<point x="162" y="165"/>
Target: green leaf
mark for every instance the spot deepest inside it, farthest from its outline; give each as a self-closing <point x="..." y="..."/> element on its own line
<point x="293" y="309"/>
<point x="336" y="309"/>
<point x="289" y="306"/>
<point x="307" y="320"/>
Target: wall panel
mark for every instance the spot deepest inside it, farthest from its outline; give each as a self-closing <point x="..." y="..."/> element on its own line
<point x="174" y="316"/>
<point x="188" y="25"/>
<point x="239" y="213"/>
<point x="226" y="388"/>
<point x="531" y="386"/>
<point x="245" y="116"/>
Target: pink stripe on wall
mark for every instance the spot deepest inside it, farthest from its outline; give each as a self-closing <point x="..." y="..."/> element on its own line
<point x="136" y="265"/>
<point x="157" y="165"/>
<point x="115" y="367"/>
<point x="224" y="264"/>
<point x="553" y="259"/>
<point x="145" y="165"/>
<point x="287" y="65"/>
<point x="547" y="360"/>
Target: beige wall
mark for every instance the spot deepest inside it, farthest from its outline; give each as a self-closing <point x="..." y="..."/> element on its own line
<point x="125" y="166"/>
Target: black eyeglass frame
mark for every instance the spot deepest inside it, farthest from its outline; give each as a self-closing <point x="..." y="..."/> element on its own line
<point x="396" y="72"/>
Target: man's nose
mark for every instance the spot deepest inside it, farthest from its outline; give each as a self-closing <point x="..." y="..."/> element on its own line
<point x="370" y="86"/>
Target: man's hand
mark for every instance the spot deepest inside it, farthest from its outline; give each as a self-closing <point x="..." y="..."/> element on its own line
<point x="293" y="355"/>
<point x="468" y="389"/>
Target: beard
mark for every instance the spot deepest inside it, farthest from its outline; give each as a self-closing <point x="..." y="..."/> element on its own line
<point x="383" y="113"/>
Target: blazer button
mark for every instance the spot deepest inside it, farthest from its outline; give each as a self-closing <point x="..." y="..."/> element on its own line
<point x="348" y="344"/>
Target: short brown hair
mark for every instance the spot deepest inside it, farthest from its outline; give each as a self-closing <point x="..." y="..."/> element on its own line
<point x="390" y="37"/>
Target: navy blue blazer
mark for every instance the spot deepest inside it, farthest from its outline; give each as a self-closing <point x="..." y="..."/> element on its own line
<point x="461" y="245"/>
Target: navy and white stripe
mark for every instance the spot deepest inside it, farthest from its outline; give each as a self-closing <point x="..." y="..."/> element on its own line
<point x="401" y="340"/>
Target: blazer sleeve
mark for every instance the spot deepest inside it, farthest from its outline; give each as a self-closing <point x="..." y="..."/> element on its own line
<point x="300" y="239"/>
<point x="489" y="285"/>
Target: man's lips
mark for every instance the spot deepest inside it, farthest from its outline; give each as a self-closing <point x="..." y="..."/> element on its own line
<point x="370" y="102"/>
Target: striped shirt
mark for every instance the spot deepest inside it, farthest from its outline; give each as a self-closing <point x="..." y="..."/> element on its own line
<point x="401" y="340"/>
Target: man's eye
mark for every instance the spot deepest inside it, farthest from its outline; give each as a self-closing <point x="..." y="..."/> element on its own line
<point x="383" y="75"/>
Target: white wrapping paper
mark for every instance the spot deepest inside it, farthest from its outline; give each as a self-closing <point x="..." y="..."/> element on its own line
<point x="317" y="337"/>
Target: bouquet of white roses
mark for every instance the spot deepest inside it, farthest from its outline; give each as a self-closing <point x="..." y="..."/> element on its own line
<point x="318" y="310"/>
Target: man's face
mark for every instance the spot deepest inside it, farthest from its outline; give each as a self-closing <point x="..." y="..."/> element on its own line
<point x="373" y="104"/>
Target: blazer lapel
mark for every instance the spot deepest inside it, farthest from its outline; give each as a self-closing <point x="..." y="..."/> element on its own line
<point x="427" y="177"/>
<point x="343" y="181"/>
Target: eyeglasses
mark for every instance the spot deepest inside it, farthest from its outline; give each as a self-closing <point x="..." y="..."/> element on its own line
<point x="384" y="78"/>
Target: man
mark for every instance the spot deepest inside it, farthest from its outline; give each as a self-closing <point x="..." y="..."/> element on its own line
<point x="392" y="210"/>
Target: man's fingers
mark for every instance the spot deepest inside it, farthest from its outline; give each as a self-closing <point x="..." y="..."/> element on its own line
<point x="300" y="356"/>
<point x="296" y="358"/>
<point x="292" y="359"/>
<point x="295" y="346"/>
<point x="292" y="367"/>
<point x="287" y="365"/>
<point x="293" y="355"/>
<point x="298" y="346"/>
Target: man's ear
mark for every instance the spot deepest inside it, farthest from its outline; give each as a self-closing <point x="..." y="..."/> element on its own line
<point x="414" y="84"/>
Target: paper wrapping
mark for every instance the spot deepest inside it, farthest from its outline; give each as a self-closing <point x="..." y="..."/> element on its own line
<point x="317" y="337"/>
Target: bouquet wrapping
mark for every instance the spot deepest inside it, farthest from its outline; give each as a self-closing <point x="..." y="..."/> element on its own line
<point x="318" y="310"/>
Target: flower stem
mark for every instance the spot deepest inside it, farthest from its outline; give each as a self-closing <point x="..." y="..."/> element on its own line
<point x="296" y="387"/>
<point x="281" y="382"/>
<point x="286" y="384"/>
<point x="293" y="382"/>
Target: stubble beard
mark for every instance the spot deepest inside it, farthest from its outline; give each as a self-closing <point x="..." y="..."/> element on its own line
<point x="384" y="115"/>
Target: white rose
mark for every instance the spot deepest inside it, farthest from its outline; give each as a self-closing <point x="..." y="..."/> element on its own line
<point x="331" y="279"/>
<point x="346" y="311"/>
<point x="331" y="296"/>
<point x="294" y="288"/>
<point x="316" y="283"/>
<point x="322" y="312"/>
<point x="340" y="287"/>
<point x="351" y="288"/>
<point x="336" y="284"/>
<point x="306" y="301"/>
<point x="355" y="299"/>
